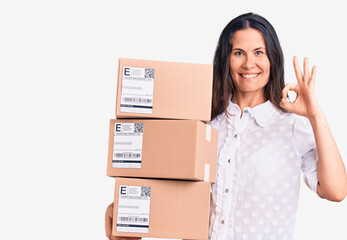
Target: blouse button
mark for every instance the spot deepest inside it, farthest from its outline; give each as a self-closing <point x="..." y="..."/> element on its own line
<point x="229" y="160"/>
<point x="226" y="190"/>
<point x="235" y="136"/>
<point x="222" y="221"/>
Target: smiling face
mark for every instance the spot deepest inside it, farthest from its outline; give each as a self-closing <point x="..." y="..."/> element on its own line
<point x="249" y="63"/>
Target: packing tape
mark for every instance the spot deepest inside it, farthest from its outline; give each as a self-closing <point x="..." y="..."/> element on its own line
<point x="207" y="173"/>
<point x="208" y="133"/>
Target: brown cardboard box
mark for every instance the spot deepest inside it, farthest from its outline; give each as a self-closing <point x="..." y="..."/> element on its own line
<point x="171" y="90"/>
<point x="169" y="149"/>
<point x="161" y="208"/>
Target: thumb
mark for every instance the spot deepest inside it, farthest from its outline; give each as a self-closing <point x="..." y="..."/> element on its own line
<point x="286" y="105"/>
<point x="109" y="220"/>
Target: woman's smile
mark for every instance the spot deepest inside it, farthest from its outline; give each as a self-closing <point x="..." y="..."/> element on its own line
<point x="249" y="75"/>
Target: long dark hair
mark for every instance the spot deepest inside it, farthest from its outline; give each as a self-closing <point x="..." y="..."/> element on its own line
<point x="223" y="87"/>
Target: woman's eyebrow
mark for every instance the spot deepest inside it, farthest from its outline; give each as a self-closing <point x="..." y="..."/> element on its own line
<point x="237" y="49"/>
<point x="259" y="48"/>
<point x="240" y="49"/>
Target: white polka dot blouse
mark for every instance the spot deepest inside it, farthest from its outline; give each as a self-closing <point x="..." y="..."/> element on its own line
<point x="261" y="156"/>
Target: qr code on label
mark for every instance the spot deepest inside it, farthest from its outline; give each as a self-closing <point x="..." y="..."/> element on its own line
<point x="138" y="128"/>
<point x="149" y="73"/>
<point x="145" y="191"/>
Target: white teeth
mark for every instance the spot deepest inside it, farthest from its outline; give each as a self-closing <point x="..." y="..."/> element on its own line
<point x="250" y="75"/>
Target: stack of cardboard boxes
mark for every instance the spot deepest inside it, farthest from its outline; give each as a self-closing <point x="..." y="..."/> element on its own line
<point x="161" y="151"/>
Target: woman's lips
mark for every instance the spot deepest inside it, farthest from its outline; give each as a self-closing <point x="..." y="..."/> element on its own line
<point x="249" y="76"/>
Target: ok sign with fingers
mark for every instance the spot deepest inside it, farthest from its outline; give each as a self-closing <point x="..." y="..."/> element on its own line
<point x="331" y="173"/>
<point x="305" y="103"/>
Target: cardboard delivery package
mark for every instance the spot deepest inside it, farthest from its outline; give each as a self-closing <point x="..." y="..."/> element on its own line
<point x="167" y="149"/>
<point x="169" y="90"/>
<point x="161" y="208"/>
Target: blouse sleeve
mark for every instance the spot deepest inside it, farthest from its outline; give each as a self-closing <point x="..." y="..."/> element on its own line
<point x="307" y="151"/>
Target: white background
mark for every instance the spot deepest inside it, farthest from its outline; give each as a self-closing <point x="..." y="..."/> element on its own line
<point x="58" y="72"/>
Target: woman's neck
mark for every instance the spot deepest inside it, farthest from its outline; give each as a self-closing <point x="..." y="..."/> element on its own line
<point x="251" y="100"/>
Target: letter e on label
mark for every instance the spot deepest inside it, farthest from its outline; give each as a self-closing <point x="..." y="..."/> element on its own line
<point x="126" y="71"/>
<point x="123" y="190"/>
<point x="118" y="127"/>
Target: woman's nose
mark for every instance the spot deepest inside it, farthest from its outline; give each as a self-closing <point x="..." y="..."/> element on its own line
<point x="249" y="62"/>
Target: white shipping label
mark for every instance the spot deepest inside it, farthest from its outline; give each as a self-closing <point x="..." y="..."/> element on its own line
<point x="133" y="209"/>
<point x="127" y="147"/>
<point x="137" y="90"/>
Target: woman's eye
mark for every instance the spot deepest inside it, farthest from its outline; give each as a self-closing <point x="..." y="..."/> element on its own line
<point x="238" y="53"/>
<point x="259" y="52"/>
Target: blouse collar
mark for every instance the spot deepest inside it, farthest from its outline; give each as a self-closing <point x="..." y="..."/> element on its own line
<point x="262" y="113"/>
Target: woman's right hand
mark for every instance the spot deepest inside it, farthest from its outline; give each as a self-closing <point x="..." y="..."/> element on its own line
<point x="108" y="225"/>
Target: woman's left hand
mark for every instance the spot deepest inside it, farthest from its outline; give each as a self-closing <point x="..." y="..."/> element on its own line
<point x="305" y="103"/>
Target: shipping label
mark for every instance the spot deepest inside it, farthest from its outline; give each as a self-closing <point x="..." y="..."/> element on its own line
<point x="127" y="148"/>
<point x="137" y="90"/>
<point x="133" y="209"/>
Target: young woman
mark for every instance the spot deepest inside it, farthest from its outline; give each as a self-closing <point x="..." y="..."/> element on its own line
<point x="265" y="142"/>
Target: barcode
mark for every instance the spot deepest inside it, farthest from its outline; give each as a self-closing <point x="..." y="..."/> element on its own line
<point x="146" y="191"/>
<point x="133" y="219"/>
<point x="127" y="155"/>
<point x="138" y="128"/>
<point x="137" y="100"/>
<point x="149" y="73"/>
